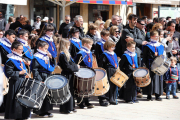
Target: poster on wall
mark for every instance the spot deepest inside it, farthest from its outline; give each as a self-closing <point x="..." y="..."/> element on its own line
<point x="173" y="12"/>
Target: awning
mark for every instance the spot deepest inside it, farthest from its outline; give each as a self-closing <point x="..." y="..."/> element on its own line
<point x="169" y="2"/>
<point x="112" y="2"/>
<point x="14" y="2"/>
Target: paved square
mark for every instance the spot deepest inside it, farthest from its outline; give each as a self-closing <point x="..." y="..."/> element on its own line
<point x="144" y="110"/>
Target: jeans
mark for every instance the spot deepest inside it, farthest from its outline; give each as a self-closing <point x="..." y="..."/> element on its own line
<point x="168" y="89"/>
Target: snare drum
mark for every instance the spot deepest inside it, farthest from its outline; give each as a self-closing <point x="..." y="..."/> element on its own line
<point x="119" y="78"/>
<point x="58" y="89"/>
<point x="101" y="85"/>
<point x="141" y="77"/>
<point x="5" y="82"/>
<point x="84" y="81"/>
<point x="32" y="94"/>
<point x="160" y="65"/>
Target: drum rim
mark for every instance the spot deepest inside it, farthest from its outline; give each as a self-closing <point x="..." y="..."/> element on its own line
<point x="86" y="78"/>
<point x="104" y="71"/>
<point x="48" y="78"/>
<point x="137" y="71"/>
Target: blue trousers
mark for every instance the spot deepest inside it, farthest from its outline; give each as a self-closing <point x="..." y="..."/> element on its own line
<point x="169" y="87"/>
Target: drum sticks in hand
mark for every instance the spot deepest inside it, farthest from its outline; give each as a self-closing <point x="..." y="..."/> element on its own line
<point x="80" y="60"/>
<point x="26" y="72"/>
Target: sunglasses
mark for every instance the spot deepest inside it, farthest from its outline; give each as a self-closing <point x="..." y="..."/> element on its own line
<point x="51" y="30"/>
<point x="141" y="24"/>
<point x="67" y="20"/>
<point x="117" y="31"/>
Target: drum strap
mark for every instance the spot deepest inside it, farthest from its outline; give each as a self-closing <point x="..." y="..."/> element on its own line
<point x="176" y="71"/>
<point x="115" y="61"/>
<point x="133" y="65"/>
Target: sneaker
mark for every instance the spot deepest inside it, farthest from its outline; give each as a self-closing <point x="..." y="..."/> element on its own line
<point x="167" y="97"/>
<point x="175" y="97"/>
<point x="50" y="114"/>
<point x="74" y="110"/>
<point x="129" y="102"/>
<point x="43" y="115"/>
<point x="136" y="101"/>
<point x="139" y="95"/>
<point x="82" y="106"/>
<point x="89" y="105"/>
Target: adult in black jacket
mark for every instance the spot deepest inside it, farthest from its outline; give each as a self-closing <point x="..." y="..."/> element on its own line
<point x="130" y="33"/>
<point x="115" y="22"/>
<point x="51" y="22"/>
<point x="79" y="25"/>
<point x="65" y="27"/>
<point x="13" y="26"/>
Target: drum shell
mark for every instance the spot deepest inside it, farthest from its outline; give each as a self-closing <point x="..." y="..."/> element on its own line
<point x="57" y="70"/>
<point x="5" y="84"/>
<point x="84" y="87"/>
<point x="160" y="65"/>
<point x="119" y="78"/>
<point x="32" y="93"/>
<point x="95" y="65"/>
<point x="102" y="86"/>
<point x="59" y="96"/>
<point x="142" y="81"/>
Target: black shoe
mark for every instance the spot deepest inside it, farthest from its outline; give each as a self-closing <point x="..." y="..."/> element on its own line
<point x="68" y="112"/>
<point x="167" y="97"/>
<point x="129" y="102"/>
<point x="74" y="110"/>
<point x="149" y="99"/>
<point x="82" y="106"/>
<point x="113" y="103"/>
<point x="136" y="101"/>
<point x="175" y="97"/>
<point x="89" y="105"/>
<point x="102" y="103"/>
<point x="159" y="99"/>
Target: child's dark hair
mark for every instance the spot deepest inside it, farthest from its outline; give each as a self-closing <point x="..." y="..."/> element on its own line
<point x="10" y="32"/>
<point x="42" y="44"/>
<point x="105" y="32"/>
<point x="49" y="27"/>
<point x="16" y="44"/>
<point x="72" y="31"/>
<point x="33" y="41"/>
<point x="22" y="32"/>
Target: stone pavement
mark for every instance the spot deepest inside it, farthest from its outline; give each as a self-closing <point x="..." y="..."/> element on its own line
<point x="144" y="110"/>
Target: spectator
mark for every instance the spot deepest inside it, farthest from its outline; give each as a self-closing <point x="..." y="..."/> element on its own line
<point x="149" y="21"/>
<point x="155" y="20"/>
<point x="21" y="17"/>
<point x="99" y="18"/>
<point x="26" y="24"/>
<point x="149" y="28"/>
<point x="100" y="27"/>
<point x="37" y="24"/>
<point x="11" y="19"/>
<point x="44" y="22"/>
<point x="13" y="26"/>
<point x="168" y="18"/>
<point x="120" y="23"/>
<point x="140" y="27"/>
<point x="114" y="34"/>
<point x="51" y="22"/>
<point x="157" y="26"/>
<point x="145" y="19"/>
<point x="162" y="20"/>
<point x="1" y="34"/>
<point x="65" y="27"/>
<point x="115" y="22"/>
<point x="2" y="22"/>
<point x="107" y="24"/>
<point x="79" y="25"/>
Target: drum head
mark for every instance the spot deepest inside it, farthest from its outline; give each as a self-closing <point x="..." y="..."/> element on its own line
<point x="85" y="73"/>
<point x="56" y="82"/>
<point x="141" y="73"/>
<point x="28" y="103"/>
<point x="100" y="74"/>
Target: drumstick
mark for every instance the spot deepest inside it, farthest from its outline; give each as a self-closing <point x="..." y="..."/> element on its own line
<point x="24" y="53"/>
<point x="26" y="72"/>
<point x="79" y="60"/>
<point x="82" y="59"/>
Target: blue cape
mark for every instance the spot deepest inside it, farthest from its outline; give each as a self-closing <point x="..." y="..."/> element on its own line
<point x="49" y="67"/>
<point x="17" y="64"/>
<point x="130" y="59"/>
<point x="160" y="49"/>
<point x="111" y="59"/>
<point x="28" y="53"/>
<point x="53" y="53"/>
<point x="76" y="44"/>
<point x="85" y="60"/>
<point x="6" y="48"/>
<point x="102" y="45"/>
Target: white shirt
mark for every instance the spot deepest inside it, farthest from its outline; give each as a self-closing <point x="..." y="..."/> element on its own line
<point x="37" y="25"/>
<point x="130" y="53"/>
<point x="42" y="55"/>
<point x="46" y="37"/>
<point x="111" y="53"/>
<point x="24" y="42"/>
<point x="85" y="49"/>
<point x="14" y="55"/>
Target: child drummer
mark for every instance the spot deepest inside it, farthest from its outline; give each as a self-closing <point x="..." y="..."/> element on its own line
<point x="108" y="60"/>
<point x="42" y="65"/>
<point x="15" y="70"/>
<point x="87" y="61"/>
<point x="152" y="50"/>
<point x="68" y="67"/>
<point x="128" y="64"/>
<point x="172" y="75"/>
